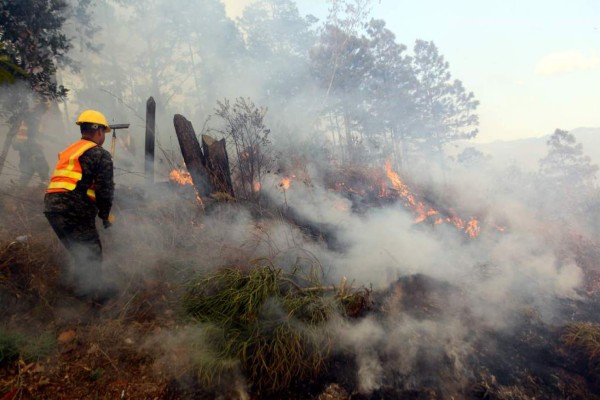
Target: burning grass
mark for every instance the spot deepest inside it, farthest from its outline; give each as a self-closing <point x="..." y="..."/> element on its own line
<point x="263" y="322"/>
<point x="267" y="321"/>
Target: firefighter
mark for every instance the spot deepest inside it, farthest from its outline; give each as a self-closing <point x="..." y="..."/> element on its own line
<point x="80" y="188"/>
<point x="31" y="154"/>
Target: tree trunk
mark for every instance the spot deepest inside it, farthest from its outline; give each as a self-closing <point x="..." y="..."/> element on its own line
<point x="192" y="155"/>
<point x="149" y="149"/>
<point x="348" y="137"/>
<point x="217" y="164"/>
<point x="9" y="137"/>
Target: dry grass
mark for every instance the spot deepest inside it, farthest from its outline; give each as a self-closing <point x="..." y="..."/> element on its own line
<point x="26" y="268"/>
<point x="489" y="388"/>
<point x="584" y="336"/>
<point x="29" y="251"/>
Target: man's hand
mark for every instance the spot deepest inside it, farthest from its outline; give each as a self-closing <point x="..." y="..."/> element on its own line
<point x="107" y="224"/>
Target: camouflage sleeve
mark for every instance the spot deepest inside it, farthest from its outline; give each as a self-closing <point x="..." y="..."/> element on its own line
<point x="104" y="184"/>
<point x="97" y="167"/>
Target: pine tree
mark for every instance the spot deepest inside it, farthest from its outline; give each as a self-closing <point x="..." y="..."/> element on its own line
<point x="445" y="109"/>
<point x="565" y="163"/>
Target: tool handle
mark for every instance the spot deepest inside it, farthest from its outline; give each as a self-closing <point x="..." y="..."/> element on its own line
<point x="112" y="145"/>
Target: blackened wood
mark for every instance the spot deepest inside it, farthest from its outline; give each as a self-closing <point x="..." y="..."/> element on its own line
<point x="217" y="163"/>
<point x="192" y="155"/>
<point x="314" y="229"/>
<point x="150" y="129"/>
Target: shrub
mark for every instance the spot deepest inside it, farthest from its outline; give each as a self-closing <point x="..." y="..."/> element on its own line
<point x="267" y="321"/>
<point x="9" y="347"/>
<point x="28" y="347"/>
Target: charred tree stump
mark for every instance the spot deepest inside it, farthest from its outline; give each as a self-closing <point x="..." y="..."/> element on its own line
<point x="217" y="164"/>
<point x="149" y="149"/>
<point x="192" y="155"/>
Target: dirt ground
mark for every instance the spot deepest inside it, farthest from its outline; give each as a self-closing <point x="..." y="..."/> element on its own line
<point x="71" y="348"/>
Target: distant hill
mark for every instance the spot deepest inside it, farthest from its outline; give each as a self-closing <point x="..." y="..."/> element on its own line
<point x="526" y="153"/>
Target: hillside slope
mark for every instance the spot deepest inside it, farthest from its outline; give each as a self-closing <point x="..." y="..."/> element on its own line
<point x="526" y="153"/>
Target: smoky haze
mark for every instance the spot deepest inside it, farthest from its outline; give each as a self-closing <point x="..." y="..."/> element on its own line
<point x="188" y="55"/>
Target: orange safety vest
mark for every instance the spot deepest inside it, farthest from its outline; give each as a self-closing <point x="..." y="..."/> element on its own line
<point x="68" y="169"/>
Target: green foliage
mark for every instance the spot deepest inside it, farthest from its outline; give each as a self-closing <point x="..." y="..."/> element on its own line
<point x="275" y="28"/>
<point x="470" y="157"/>
<point x="9" y="347"/>
<point x="376" y="94"/>
<point x="28" y="347"/>
<point x="567" y="179"/>
<point x="278" y="40"/>
<point x="565" y="162"/>
<point x="195" y="49"/>
<point x="351" y="72"/>
<point x="264" y="320"/>
<point x="446" y="111"/>
<point x="392" y="83"/>
<point x="35" y="347"/>
<point x="32" y="41"/>
<point x="8" y="70"/>
<point x="96" y="374"/>
<point x="349" y="15"/>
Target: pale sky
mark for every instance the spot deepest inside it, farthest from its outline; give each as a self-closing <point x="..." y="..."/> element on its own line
<point x="534" y="65"/>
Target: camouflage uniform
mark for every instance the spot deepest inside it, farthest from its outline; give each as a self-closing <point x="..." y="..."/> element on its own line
<point x="32" y="160"/>
<point x="72" y="215"/>
<point x="31" y="154"/>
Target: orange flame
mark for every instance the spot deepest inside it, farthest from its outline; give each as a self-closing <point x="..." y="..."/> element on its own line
<point x="424" y="211"/>
<point x="256" y="186"/>
<point x="285" y="183"/>
<point x="472" y="228"/>
<point x="339" y="205"/>
<point x="181" y="176"/>
<point x="456" y="221"/>
<point x="397" y="183"/>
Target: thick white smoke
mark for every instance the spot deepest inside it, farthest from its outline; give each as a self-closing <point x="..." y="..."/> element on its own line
<point x="158" y="232"/>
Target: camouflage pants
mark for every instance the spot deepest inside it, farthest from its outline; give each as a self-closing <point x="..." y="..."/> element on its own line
<point x="30" y="163"/>
<point x="80" y="237"/>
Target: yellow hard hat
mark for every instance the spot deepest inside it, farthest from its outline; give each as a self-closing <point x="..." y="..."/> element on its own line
<point x="93" y="117"/>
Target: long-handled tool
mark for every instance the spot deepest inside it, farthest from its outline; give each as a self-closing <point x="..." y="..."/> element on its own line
<point x="114" y="128"/>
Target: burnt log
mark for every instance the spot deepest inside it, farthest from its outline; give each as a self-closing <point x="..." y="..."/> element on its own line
<point x="217" y="164"/>
<point x="317" y="231"/>
<point x="192" y="155"/>
<point x="149" y="148"/>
